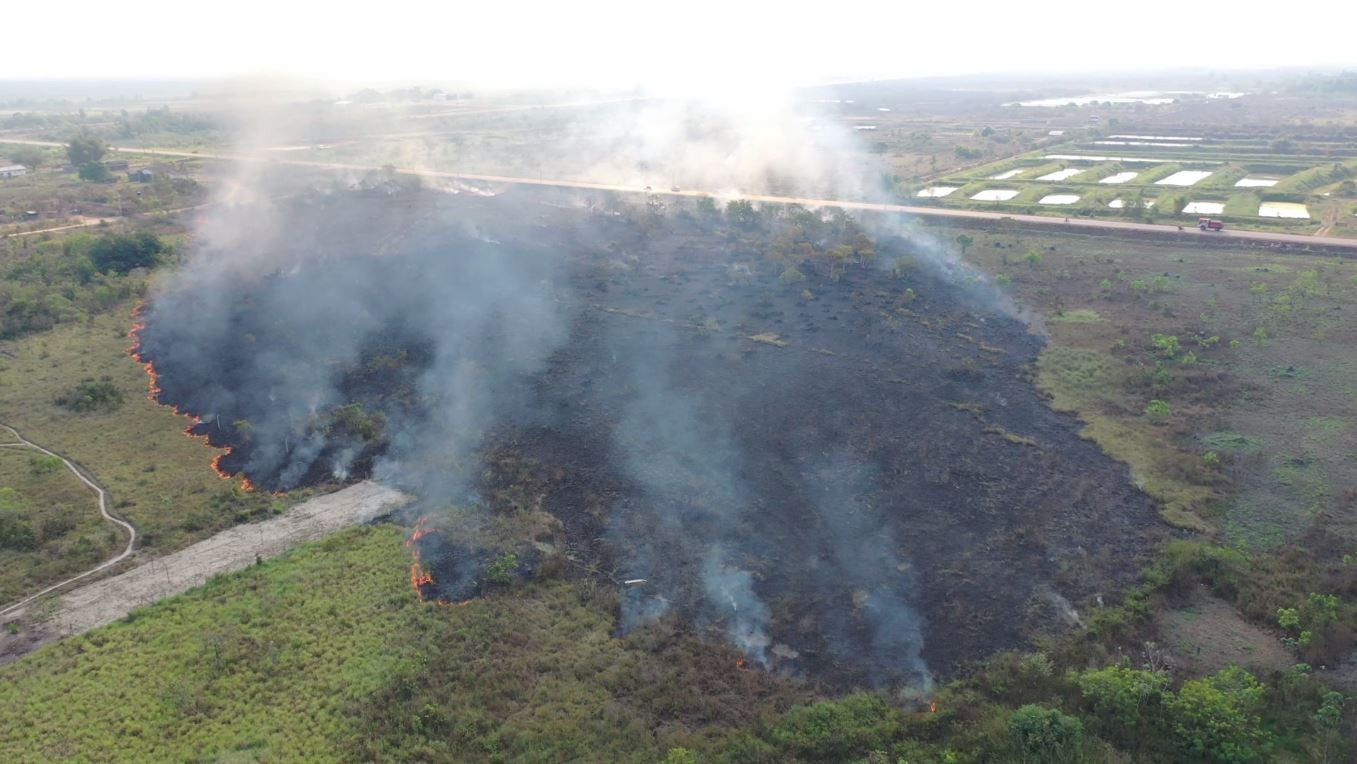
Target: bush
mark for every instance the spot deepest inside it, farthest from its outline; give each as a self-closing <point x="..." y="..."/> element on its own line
<point x="91" y="395"/>
<point x="1125" y="701"/>
<point x="121" y="253"/>
<point x="1216" y="718"/>
<point x="836" y="731"/>
<point x="1044" y="735"/>
<point x="1157" y="411"/>
<point x="93" y="171"/>
<point x="42" y="464"/>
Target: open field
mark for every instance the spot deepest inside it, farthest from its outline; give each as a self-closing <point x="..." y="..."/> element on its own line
<point x="743" y="470"/>
<point x="1267" y="387"/>
<point x="105" y="601"/>
<point x="158" y="479"/>
<point x="317" y="655"/>
<point x="1247" y="182"/>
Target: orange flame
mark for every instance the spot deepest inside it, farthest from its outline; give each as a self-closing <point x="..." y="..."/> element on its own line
<point x="742" y="664"/>
<point x="153" y="395"/>
<point x="932" y="706"/>
<point x="421" y="576"/>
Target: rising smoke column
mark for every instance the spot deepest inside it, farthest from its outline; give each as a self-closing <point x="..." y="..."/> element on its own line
<point x="473" y="316"/>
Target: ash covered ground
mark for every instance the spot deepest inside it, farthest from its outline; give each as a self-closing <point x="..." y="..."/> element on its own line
<point x="817" y="439"/>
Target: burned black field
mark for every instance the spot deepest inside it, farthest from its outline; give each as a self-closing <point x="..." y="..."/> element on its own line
<point x="776" y="426"/>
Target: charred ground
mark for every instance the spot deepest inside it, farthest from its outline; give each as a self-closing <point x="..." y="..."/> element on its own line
<point x="764" y="400"/>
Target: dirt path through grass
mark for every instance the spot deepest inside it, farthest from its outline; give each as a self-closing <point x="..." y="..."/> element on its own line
<point x="102" y="602"/>
<point x="21" y="442"/>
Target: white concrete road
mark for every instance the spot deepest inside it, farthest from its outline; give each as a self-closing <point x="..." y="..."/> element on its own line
<point x="235" y="548"/>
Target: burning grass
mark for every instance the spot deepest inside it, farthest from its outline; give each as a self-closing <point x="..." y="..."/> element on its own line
<point x="699" y="421"/>
<point x="158" y="479"/>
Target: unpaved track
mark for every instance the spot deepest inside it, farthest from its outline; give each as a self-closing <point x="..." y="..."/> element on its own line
<point x="105" y="601"/>
<point x="1187" y="232"/>
<point x="20" y="442"/>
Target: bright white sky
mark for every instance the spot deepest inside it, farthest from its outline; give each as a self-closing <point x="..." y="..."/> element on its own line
<point x="670" y="46"/>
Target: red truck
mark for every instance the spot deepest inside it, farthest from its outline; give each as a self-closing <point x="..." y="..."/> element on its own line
<point x="1210" y="224"/>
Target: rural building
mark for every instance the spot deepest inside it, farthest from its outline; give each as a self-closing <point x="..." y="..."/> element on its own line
<point x="13" y="171"/>
<point x="141" y="176"/>
<point x="117" y="165"/>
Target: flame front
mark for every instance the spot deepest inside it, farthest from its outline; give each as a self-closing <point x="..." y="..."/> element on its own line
<point x="153" y="395"/>
<point x="421" y="576"/>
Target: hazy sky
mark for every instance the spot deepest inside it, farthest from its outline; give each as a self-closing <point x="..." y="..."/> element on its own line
<point x="676" y="46"/>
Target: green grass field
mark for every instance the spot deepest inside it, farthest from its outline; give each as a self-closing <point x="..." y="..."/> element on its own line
<point x="157" y="478"/>
<point x="326" y="654"/>
<point x="1290" y="388"/>
<point x="50" y="525"/>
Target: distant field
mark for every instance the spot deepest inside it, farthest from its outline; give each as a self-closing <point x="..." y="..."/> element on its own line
<point x="1262" y="390"/>
<point x="1308" y="177"/>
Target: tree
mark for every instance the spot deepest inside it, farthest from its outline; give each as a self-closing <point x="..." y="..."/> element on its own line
<point x="964" y="241"/>
<point x="741" y="212"/>
<point x="1044" y="735"/>
<point x="93" y="171"/>
<point x="31" y="157"/>
<point x="1125" y="700"/>
<point x="1033" y="257"/>
<point x="122" y="252"/>
<point x="1216" y="718"/>
<point x="85" y="147"/>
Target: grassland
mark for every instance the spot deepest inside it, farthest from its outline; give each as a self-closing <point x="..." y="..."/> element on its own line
<point x="326" y="654"/>
<point x="50" y="525"/>
<point x="1265" y="355"/>
<point x="157" y="478"/>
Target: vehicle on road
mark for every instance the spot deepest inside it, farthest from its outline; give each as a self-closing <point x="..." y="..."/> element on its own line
<point x="1210" y="224"/>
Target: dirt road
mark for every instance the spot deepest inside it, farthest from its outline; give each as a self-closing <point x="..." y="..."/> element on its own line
<point x="20" y="442"/>
<point x="1263" y="237"/>
<point x="108" y="600"/>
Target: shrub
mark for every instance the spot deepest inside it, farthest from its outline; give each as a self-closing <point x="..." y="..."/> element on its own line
<point x="92" y="395"/>
<point x="1157" y="411"/>
<point x="44" y="465"/>
<point x="1044" y="735"/>
<point x="501" y="571"/>
<point x="1124" y="700"/>
<point x="1216" y="718"/>
<point x="121" y="253"/>
<point x="835" y="731"/>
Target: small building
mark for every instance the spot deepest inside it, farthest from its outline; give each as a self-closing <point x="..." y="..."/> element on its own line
<point x="117" y="165"/>
<point x="13" y="171"/>
<point x="141" y="176"/>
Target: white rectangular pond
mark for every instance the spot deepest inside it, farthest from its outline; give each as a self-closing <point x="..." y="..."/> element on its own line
<point x="995" y="195"/>
<point x="1006" y="174"/>
<point x="1255" y="183"/>
<point x="1120" y="177"/>
<point x="1283" y="210"/>
<point x="1059" y="199"/>
<point x="1143" y="143"/>
<point x="936" y="192"/>
<point x="1061" y="174"/>
<point x="1185" y="178"/>
<point x="1204" y="208"/>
